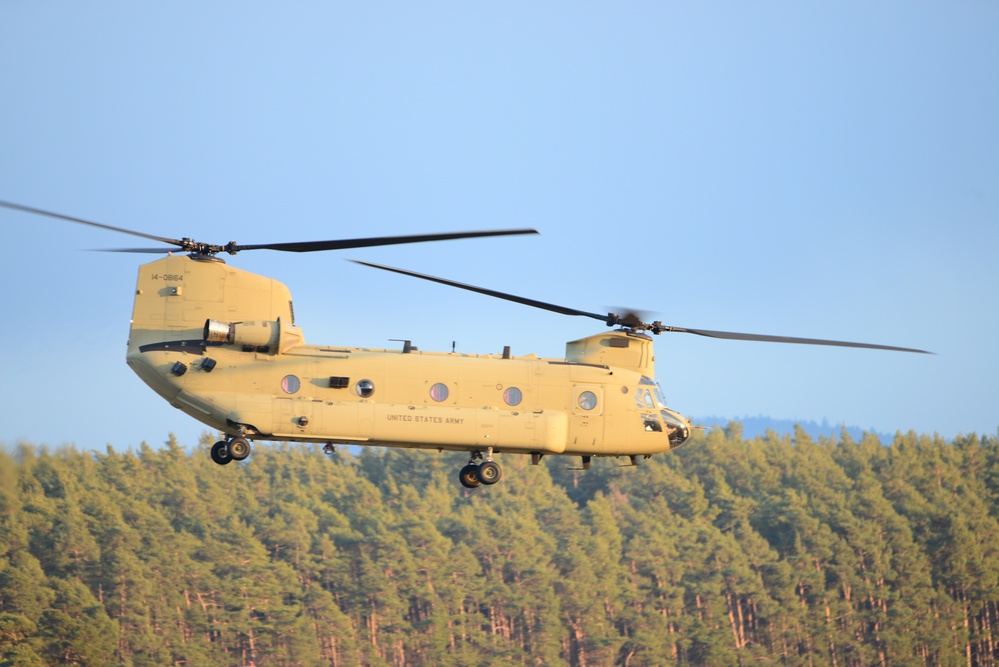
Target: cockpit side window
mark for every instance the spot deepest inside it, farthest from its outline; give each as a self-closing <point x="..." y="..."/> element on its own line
<point x="643" y="398"/>
<point x="651" y="421"/>
<point x="655" y="399"/>
<point x="660" y="397"/>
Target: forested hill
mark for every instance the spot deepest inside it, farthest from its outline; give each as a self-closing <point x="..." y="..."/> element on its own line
<point x="760" y="424"/>
<point x="775" y="550"/>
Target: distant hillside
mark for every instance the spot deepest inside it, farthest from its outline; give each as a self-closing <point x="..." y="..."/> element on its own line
<point x="754" y="426"/>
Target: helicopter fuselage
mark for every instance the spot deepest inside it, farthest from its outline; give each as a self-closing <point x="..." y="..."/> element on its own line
<point x="220" y="344"/>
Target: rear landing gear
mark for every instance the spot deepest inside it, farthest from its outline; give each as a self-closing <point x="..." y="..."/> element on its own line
<point x="235" y="449"/>
<point x="480" y="471"/>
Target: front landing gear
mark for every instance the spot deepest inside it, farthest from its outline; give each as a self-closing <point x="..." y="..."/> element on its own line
<point x="469" y="476"/>
<point x="489" y="472"/>
<point x="480" y="471"/>
<point x="235" y="449"/>
<point x="220" y="453"/>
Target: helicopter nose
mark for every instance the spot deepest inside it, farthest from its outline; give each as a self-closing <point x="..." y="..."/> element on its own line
<point x="677" y="428"/>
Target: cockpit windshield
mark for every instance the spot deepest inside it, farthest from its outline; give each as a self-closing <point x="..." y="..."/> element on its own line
<point x="677" y="428"/>
<point x="649" y="397"/>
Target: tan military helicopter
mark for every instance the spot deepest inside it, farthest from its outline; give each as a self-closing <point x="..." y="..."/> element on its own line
<point x="221" y="345"/>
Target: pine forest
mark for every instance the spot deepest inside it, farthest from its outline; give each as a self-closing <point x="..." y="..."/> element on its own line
<point x="776" y="550"/>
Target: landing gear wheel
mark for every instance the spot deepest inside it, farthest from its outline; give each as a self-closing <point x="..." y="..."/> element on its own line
<point x="239" y="448"/>
<point x="489" y="472"/>
<point x="220" y="453"/>
<point x="469" y="476"/>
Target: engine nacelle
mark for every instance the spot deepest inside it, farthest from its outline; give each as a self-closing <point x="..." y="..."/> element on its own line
<point x="268" y="337"/>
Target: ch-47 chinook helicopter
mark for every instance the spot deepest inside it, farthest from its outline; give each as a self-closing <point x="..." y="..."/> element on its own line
<point x="221" y="345"/>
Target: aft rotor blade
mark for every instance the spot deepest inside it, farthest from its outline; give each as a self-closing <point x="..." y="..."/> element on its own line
<point x="488" y="292"/>
<point x="343" y="244"/>
<point x="60" y="216"/>
<point x="732" y="335"/>
<point x="632" y="321"/>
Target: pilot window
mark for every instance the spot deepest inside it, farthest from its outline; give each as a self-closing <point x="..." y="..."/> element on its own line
<point x="643" y="398"/>
<point x="659" y="396"/>
<point x="652" y="422"/>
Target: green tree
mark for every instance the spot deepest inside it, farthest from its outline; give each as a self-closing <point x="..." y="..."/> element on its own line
<point x="77" y="630"/>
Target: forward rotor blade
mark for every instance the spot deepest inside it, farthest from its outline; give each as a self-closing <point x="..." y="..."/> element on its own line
<point x="343" y="244"/>
<point x="732" y="335"/>
<point x="488" y="292"/>
<point x="60" y="216"/>
<point x="304" y="246"/>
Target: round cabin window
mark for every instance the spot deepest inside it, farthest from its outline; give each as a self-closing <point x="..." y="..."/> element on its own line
<point x="365" y="388"/>
<point x="587" y="400"/>
<point x="513" y="396"/>
<point x="290" y="384"/>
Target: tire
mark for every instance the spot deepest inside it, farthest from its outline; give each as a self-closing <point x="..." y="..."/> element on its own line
<point x="220" y="453"/>
<point x="469" y="476"/>
<point x="490" y="472"/>
<point x="239" y="448"/>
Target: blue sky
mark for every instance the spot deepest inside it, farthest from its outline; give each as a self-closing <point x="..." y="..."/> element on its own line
<point x="774" y="167"/>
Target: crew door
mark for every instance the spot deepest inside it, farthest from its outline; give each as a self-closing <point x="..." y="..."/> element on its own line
<point x="587" y="421"/>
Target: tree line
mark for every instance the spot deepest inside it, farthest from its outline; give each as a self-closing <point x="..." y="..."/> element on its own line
<point x="781" y="549"/>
